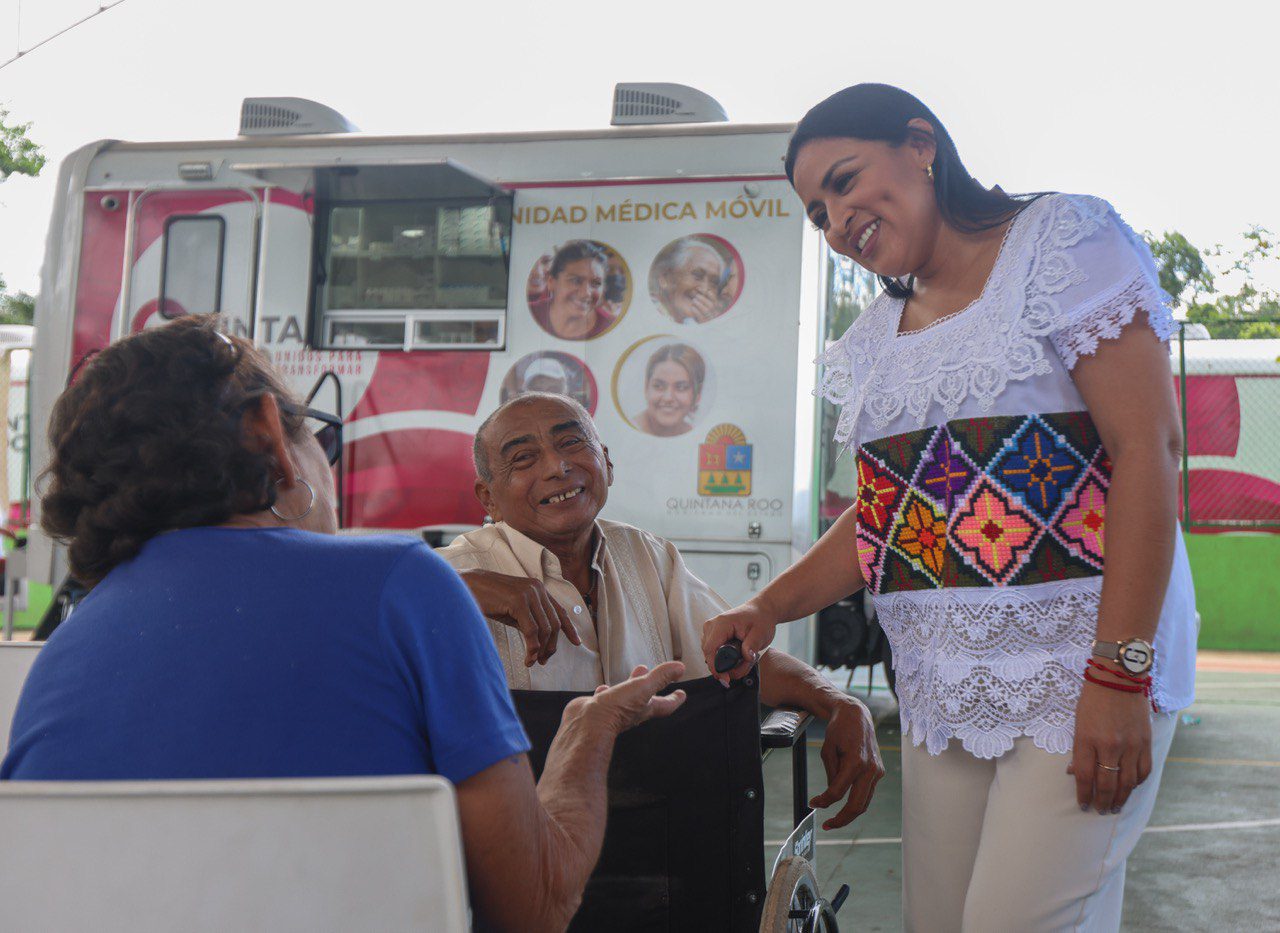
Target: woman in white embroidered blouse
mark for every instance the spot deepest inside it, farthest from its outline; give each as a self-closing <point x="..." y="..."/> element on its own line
<point x="1009" y="402"/>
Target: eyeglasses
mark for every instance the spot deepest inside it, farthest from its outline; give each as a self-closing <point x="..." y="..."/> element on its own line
<point x="328" y="436"/>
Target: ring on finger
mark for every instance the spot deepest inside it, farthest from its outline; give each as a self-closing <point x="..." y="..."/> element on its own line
<point x="1116" y="769"/>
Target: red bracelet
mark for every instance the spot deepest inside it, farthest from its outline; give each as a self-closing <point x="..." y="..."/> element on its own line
<point x="1144" y="680"/>
<point x="1127" y="688"/>
<point x="1143" y="688"/>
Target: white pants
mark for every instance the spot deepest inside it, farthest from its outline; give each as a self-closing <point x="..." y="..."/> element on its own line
<point x="1001" y="845"/>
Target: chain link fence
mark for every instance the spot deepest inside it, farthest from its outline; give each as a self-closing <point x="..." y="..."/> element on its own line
<point x="1227" y="375"/>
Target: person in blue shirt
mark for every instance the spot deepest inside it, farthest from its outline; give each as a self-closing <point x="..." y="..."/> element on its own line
<point x="229" y="633"/>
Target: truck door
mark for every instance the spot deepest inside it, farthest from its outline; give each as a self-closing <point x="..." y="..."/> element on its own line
<point x="735" y="575"/>
<point x="192" y="251"/>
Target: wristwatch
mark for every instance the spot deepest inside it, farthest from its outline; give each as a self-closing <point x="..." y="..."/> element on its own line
<point x="1134" y="655"/>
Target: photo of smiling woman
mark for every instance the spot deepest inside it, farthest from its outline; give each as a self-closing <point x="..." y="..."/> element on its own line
<point x="579" y="290"/>
<point x="673" y="380"/>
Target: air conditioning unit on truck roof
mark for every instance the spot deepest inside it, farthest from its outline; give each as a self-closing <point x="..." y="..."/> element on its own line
<point x="637" y="104"/>
<point x="290" y="116"/>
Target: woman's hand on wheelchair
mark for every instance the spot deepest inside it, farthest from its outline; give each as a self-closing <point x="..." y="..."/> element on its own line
<point x="851" y="757"/>
<point x="750" y="624"/>
<point x="635" y="700"/>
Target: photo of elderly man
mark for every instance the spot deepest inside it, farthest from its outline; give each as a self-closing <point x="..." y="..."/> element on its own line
<point x="553" y="373"/>
<point x="696" y="278"/>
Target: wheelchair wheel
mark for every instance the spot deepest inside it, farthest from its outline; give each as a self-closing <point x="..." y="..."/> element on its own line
<point x="792" y="904"/>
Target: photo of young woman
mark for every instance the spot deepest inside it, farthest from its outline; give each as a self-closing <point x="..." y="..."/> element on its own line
<point x="579" y="290"/>
<point x="673" y="381"/>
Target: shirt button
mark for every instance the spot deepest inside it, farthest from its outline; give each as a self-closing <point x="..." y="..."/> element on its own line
<point x="577" y="610"/>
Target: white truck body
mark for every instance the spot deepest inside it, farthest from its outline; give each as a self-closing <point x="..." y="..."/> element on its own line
<point x="253" y="229"/>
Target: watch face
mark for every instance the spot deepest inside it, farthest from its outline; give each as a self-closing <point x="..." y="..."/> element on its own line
<point x="1135" y="657"/>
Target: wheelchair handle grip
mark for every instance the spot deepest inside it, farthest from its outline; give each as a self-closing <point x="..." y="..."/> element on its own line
<point x="838" y="901"/>
<point x="728" y="655"/>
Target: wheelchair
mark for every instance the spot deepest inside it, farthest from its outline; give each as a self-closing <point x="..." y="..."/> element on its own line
<point x="684" y="841"/>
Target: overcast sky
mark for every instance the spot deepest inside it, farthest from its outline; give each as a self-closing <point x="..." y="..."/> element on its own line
<point x="1166" y="109"/>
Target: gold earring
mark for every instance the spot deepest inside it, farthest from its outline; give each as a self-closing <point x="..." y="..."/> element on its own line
<point x="928" y="170"/>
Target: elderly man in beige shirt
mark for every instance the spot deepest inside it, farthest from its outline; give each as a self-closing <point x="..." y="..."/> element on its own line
<point x="621" y="597"/>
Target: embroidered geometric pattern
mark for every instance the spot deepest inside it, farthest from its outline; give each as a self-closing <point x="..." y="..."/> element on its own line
<point x="992" y="501"/>
<point x="982" y="536"/>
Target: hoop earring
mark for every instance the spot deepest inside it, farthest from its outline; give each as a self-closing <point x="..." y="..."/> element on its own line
<point x="928" y="170"/>
<point x="310" y="505"/>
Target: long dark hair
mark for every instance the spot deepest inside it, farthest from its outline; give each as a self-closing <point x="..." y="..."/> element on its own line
<point x="149" y="438"/>
<point x="575" y="250"/>
<point x="882" y="112"/>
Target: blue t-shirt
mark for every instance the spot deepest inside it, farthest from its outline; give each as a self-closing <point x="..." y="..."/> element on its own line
<point x="242" y="653"/>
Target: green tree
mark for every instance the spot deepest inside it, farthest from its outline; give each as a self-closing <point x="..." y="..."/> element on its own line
<point x="17" y="308"/>
<point x="1249" y="312"/>
<point x="1181" y="265"/>
<point x="1259" y="330"/>
<point x="18" y="154"/>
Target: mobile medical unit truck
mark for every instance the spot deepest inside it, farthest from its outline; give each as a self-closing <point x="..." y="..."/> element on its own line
<point x="415" y="283"/>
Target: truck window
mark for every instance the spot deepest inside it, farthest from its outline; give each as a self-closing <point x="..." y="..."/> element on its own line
<point x="191" y="265"/>
<point x="411" y="274"/>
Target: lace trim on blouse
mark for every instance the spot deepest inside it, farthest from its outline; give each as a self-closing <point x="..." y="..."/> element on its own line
<point x="979" y="354"/>
<point x="987" y="671"/>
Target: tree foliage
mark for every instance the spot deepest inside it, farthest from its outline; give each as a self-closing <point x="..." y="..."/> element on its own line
<point x="16" y="308"/>
<point x="18" y="154"/>
<point x="1245" y="311"/>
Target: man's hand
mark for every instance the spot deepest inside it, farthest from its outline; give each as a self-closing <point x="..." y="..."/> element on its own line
<point x="852" y="759"/>
<point x="523" y="604"/>
<point x="622" y="706"/>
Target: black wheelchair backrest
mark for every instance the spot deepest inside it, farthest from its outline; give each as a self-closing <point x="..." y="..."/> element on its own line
<point x="684" y="844"/>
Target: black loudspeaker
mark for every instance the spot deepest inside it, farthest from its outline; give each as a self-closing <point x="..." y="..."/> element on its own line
<point x="845" y="635"/>
<point x="847" y="638"/>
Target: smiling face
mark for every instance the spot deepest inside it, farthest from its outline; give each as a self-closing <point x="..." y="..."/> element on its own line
<point x="670" y="394"/>
<point x="874" y="202"/>
<point x="692" y="289"/>
<point x="575" y="294"/>
<point x="550" y="475"/>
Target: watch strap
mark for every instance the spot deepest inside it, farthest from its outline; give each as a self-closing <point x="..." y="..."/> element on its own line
<point x="1106" y="649"/>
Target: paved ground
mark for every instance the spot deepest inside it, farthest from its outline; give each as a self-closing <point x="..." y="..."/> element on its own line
<point x="1208" y="861"/>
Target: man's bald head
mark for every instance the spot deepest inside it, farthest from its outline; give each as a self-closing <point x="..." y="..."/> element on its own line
<point x="480" y="451"/>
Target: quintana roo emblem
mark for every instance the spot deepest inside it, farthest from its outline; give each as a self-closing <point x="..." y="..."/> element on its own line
<point x="724" y="462"/>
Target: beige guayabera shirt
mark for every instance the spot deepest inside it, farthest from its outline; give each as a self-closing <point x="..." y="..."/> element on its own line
<point x="651" y="606"/>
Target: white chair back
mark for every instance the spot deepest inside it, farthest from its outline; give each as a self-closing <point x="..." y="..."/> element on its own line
<point x="308" y="855"/>
<point x="16" y="658"/>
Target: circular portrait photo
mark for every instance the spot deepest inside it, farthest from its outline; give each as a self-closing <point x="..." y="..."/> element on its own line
<point x="579" y="290"/>
<point x="696" y="278"/>
<point x="662" y="386"/>
<point x="554" y="372"/>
